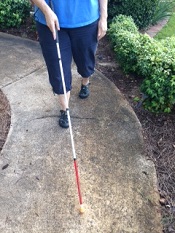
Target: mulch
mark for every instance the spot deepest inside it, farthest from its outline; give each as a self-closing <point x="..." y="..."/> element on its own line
<point x="158" y="129"/>
<point x="5" y="118"/>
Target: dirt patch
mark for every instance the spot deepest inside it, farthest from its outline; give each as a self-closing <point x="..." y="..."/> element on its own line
<point x="158" y="130"/>
<point x="4" y="118"/>
<point x="27" y="30"/>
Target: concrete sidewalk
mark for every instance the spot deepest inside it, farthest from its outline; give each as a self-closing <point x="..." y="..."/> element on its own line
<point x="38" y="192"/>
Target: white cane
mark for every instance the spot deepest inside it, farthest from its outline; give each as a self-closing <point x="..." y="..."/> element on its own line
<point x="69" y="119"/>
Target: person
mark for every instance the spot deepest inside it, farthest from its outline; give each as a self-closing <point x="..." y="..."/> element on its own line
<point x="80" y="25"/>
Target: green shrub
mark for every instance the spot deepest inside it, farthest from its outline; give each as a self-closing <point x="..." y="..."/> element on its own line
<point x="120" y="31"/>
<point x="158" y="66"/>
<point x="148" y="50"/>
<point x="169" y="43"/>
<point x="126" y="50"/>
<point x="153" y="60"/>
<point x="141" y="11"/>
<point x="121" y="22"/>
<point x="13" y="12"/>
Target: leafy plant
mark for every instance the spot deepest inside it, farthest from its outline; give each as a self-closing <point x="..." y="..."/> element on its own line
<point x="159" y="69"/>
<point x="151" y="59"/>
<point x="120" y="31"/>
<point x="13" y="12"/>
<point x="121" y="22"/>
<point x="141" y="11"/>
<point x="164" y="9"/>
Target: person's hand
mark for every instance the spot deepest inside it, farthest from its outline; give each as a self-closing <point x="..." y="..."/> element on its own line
<point x="102" y="28"/>
<point x="52" y="22"/>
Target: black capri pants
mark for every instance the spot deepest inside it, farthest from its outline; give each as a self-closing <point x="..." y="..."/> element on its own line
<point x="77" y="43"/>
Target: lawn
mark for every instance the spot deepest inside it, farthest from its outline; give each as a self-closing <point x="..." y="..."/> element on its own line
<point x="168" y="30"/>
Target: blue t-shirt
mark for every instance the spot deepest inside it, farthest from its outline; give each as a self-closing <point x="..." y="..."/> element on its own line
<point x="72" y="13"/>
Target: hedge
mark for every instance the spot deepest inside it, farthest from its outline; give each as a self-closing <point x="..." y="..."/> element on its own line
<point x="142" y="11"/>
<point x="13" y="12"/>
<point x="153" y="60"/>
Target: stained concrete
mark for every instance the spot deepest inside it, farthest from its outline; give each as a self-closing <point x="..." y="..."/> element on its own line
<point x="38" y="192"/>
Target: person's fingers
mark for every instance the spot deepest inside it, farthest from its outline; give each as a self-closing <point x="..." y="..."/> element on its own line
<point x="57" y="25"/>
<point x="51" y="26"/>
<point x="101" y="33"/>
<point x="52" y="22"/>
<point x="54" y="33"/>
<point x="102" y="28"/>
<point x="54" y="29"/>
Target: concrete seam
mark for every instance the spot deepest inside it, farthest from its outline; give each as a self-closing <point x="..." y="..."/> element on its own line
<point x="20" y="78"/>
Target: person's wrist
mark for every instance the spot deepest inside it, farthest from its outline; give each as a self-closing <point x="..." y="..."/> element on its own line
<point x="46" y="10"/>
<point x="104" y="15"/>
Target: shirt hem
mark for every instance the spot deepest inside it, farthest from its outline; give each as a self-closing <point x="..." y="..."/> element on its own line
<point x="71" y="26"/>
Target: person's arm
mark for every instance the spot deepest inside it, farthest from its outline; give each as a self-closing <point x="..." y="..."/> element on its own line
<point x="102" y="24"/>
<point x="51" y="18"/>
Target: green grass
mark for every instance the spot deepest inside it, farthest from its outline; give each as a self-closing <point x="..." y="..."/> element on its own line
<point x="168" y="30"/>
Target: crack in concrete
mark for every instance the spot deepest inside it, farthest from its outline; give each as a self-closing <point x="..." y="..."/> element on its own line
<point x="73" y="117"/>
<point x="22" y="77"/>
